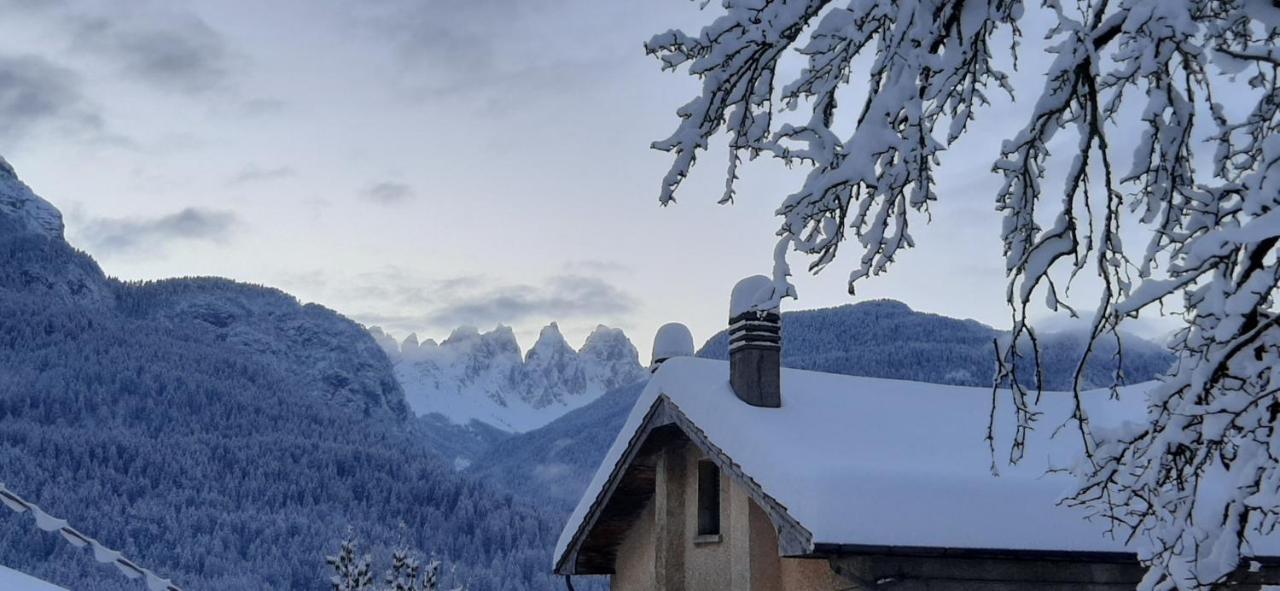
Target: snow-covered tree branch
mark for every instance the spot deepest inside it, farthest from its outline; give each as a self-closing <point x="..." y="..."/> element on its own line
<point x="1194" y="81"/>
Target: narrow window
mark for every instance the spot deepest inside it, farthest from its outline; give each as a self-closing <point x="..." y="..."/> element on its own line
<point x="708" y="498"/>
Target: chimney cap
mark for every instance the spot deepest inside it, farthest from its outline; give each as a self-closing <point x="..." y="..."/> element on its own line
<point x="755" y="293"/>
<point x="672" y="340"/>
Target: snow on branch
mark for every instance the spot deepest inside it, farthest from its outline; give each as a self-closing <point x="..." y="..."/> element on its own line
<point x="1193" y="84"/>
<point x="101" y="553"/>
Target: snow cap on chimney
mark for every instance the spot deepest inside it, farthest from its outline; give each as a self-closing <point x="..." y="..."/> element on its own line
<point x="672" y="340"/>
<point x="755" y="343"/>
<point x="750" y="294"/>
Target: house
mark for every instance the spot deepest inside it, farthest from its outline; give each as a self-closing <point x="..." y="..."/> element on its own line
<point x="743" y="475"/>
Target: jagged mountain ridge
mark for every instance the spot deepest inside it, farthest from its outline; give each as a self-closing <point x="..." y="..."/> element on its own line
<point x="475" y="376"/>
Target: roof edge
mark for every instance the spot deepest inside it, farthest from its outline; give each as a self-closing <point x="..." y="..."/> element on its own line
<point x="566" y="563"/>
<point x="822" y="549"/>
<point x="793" y="538"/>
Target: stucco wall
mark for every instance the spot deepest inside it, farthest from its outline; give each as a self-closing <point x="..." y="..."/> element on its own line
<point x="769" y="572"/>
<point x="746" y="555"/>
<point x="708" y="565"/>
<point x="634" y="569"/>
<point x="744" y="558"/>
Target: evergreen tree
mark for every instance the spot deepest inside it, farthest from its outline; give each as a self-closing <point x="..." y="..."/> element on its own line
<point x="350" y="572"/>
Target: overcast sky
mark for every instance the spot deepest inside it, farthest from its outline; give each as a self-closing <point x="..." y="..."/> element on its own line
<point x="424" y="164"/>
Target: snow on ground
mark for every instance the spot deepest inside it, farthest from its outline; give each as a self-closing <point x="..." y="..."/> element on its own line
<point x="12" y="580"/>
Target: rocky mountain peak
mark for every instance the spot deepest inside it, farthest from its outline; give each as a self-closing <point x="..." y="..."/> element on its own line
<point x="462" y="334"/>
<point x="482" y="376"/>
<point x="612" y="344"/>
<point x="550" y="344"/>
<point x="34" y="257"/>
<point x="24" y="208"/>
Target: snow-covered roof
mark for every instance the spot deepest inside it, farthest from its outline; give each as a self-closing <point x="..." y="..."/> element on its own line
<point x="12" y="580"/>
<point x="884" y="463"/>
<point x="101" y="553"/>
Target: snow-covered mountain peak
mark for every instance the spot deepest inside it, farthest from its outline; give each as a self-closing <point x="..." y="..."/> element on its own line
<point x="412" y="350"/>
<point x="462" y="334"/>
<point x="609" y="343"/>
<point x="384" y="340"/>
<point x="22" y="205"/>
<point x="550" y="344"/>
<point x="609" y="353"/>
<point x="482" y="375"/>
<point x="499" y="341"/>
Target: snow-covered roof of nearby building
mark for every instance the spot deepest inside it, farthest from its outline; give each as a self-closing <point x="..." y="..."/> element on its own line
<point x="12" y="580"/>
<point x="887" y="463"/>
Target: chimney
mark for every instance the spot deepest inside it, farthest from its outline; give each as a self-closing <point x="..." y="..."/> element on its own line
<point x="672" y="340"/>
<point x="755" y="343"/>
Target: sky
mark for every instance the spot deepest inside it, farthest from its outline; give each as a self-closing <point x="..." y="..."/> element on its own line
<point x="421" y="165"/>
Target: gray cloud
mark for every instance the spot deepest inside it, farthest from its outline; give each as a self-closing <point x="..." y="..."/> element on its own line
<point x="389" y="192"/>
<point x="158" y="43"/>
<point x="254" y="174"/>
<point x="451" y="39"/>
<point x="182" y="53"/>
<point x="480" y="48"/>
<point x="186" y="54"/>
<point x="35" y="93"/>
<point x="565" y="296"/>
<point x="151" y="234"/>
<point x="400" y="300"/>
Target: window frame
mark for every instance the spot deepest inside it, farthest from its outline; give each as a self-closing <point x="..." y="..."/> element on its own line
<point x="709" y="511"/>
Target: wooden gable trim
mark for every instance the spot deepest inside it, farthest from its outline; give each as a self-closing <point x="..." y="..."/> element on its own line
<point x="793" y="538"/>
<point x="656" y="416"/>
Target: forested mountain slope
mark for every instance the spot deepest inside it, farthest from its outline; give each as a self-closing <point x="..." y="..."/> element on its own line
<point x="887" y="339"/>
<point x="221" y="434"/>
<point x="555" y="463"/>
